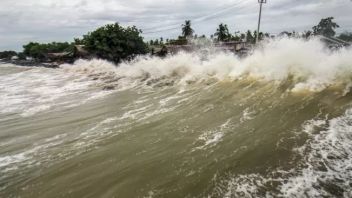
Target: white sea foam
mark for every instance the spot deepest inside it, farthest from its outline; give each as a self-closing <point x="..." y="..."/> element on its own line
<point x="247" y="115"/>
<point x="132" y="114"/>
<point x="34" y="90"/>
<point x="326" y="165"/>
<point x="212" y="137"/>
<point x="164" y="101"/>
<point x="158" y="112"/>
<point x="244" y="186"/>
<point x="28" y="156"/>
<point x="312" y="66"/>
<point x="11" y="159"/>
<point x="329" y="161"/>
<point x="34" y="110"/>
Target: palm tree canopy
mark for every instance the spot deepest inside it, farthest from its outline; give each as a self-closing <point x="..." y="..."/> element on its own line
<point x="187" y="30"/>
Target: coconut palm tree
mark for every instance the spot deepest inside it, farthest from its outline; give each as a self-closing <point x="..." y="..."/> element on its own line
<point x="249" y="37"/>
<point x="223" y="33"/>
<point x="187" y="30"/>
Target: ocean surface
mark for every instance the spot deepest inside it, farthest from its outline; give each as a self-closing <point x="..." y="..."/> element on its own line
<point x="277" y="123"/>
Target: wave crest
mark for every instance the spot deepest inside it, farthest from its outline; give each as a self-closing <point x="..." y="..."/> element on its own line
<point x="308" y="63"/>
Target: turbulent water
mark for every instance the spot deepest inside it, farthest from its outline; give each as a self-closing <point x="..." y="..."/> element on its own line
<point x="277" y="123"/>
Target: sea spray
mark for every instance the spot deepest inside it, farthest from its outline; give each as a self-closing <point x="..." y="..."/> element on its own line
<point x="312" y="66"/>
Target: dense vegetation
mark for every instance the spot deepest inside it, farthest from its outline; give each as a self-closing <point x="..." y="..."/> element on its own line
<point x="7" y="54"/>
<point x="326" y="27"/>
<point x="346" y="36"/>
<point x="114" y="42"/>
<point x="39" y="51"/>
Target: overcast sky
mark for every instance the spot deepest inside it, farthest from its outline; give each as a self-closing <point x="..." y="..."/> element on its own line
<point x="22" y="21"/>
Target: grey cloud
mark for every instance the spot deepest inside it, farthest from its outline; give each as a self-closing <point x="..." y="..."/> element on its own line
<point x="51" y="20"/>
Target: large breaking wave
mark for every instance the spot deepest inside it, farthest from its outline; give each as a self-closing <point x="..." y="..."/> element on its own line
<point x="308" y="64"/>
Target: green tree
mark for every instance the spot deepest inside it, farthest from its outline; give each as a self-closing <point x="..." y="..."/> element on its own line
<point x="40" y="50"/>
<point x="21" y="56"/>
<point x="326" y="27"/>
<point x="249" y="37"/>
<point x="78" y="41"/>
<point x="115" y="43"/>
<point x="255" y="35"/>
<point x="346" y="36"/>
<point x="222" y="33"/>
<point x="307" y="34"/>
<point x="234" y="38"/>
<point x="243" y="37"/>
<point x="7" y="54"/>
<point x="187" y="30"/>
<point x="28" y="49"/>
